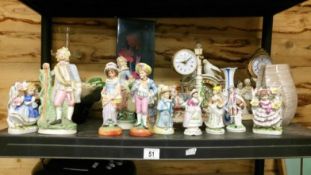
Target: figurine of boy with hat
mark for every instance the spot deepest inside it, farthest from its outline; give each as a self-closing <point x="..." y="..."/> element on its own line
<point x="111" y="97"/>
<point x="143" y="90"/>
<point x="164" y="123"/>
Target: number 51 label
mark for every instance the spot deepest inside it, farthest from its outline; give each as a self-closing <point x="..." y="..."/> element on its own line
<point x="151" y="153"/>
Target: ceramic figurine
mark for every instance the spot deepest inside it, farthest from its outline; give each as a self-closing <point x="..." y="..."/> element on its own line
<point x="193" y="115"/>
<point x="111" y="97"/>
<point x="267" y="107"/>
<point x="235" y="107"/>
<point x="143" y="91"/>
<point x="126" y="117"/>
<point x="212" y="70"/>
<point x="229" y="83"/>
<point x="247" y="94"/>
<point x="215" y="124"/>
<point x="58" y="101"/>
<point x="22" y="108"/>
<point x="164" y="122"/>
<point x="124" y="72"/>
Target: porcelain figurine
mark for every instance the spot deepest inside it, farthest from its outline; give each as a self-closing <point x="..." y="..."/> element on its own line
<point x="211" y="70"/>
<point x="22" y="108"/>
<point x="235" y="108"/>
<point x="247" y="94"/>
<point x="229" y="84"/>
<point x="125" y="76"/>
<point x="143" y="91"/>
<point x="111" y="97"/>
<point x="267" y="107"/>
<point x="215" y="124"/>
<point x="126" y="117"/>
<point x="59" y="99"/>
<point x="193" y="115"/>
<point x="164" y="122"/>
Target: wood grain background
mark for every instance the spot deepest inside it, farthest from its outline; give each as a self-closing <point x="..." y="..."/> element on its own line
<point x="226" y="42"/>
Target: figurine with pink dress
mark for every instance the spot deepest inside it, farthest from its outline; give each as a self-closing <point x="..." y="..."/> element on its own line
<point x="193" y="115"/>
<point x="267" y="107"/>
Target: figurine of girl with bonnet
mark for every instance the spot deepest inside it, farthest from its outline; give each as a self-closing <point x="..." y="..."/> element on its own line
<point x="193" y="115"/>
<point x="111" y="97"/>
<point x="216" y="111"/>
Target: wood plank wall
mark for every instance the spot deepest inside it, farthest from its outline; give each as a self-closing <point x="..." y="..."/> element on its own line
<point x="226" y="42"/>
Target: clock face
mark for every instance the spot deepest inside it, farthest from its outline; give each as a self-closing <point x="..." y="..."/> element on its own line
<point x="185" y="62"/>
<point x="257" y="62"/>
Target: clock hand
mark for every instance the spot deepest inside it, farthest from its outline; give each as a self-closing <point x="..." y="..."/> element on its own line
<point x="186" y="60"/>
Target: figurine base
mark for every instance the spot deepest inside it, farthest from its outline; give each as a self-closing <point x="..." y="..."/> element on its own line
<point x="110" y="131"/>
<point x="216" y="131"/>
<point x="57" y="131"/>
<point x="23" y="130"/>
<point x="193" y="131"/>
<point x="140" y="132"/>
<point x="268" y="131"/>
<point x="235" y="128"/>
<point x="164" y="131"/>
<point x="126" y="125"/>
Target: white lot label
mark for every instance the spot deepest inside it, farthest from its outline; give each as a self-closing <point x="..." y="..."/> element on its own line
<point x="151" y="153"/>
<point x="191" y="151"/>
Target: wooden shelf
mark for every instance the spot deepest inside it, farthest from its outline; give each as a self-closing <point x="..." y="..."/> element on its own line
<point x="158" y="8"/>
<point x="86" y="144"/>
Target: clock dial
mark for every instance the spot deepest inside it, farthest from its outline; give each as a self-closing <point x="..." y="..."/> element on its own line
<point x="185" y="62"/>
<point x="259" y="59"/>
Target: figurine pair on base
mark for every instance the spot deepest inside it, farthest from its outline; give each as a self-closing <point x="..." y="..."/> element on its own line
<point x="58" y="95"/>
<point x="22" y="108"/>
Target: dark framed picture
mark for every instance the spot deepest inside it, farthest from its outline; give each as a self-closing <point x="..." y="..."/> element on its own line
<point x="135" y="41"/>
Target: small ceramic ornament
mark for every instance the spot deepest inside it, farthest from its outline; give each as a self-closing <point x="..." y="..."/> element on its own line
<point x="193" y="115"/>
<point x="143" y="91"/>
<point x="58" y="100"/>
<point x="215" y="124"/>
<point x="126" y="116"/>
<point x="164" y="122"/>
<point x="212" y="71"/>
<point x="111" y="97"/>
<point x="235" y="108"/>
<point x="267" y="107"/>
<point x="22" y="108"/>
<point x="247" y="94"/>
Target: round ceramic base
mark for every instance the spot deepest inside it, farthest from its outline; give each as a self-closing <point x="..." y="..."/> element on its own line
<point x="216" y="131"/>
<point x="110" y="131"/>
<point x="267" y="131"/>
<point x="140" y="132"/>
<point x="125" y="124"/>
<point x="193" y="131"/>
<point x="235" y="128"/>
<point x="164" y="131"/>
<point x="24" y="130"/>
<point x="57" y="131"/>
